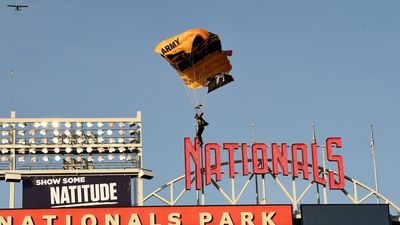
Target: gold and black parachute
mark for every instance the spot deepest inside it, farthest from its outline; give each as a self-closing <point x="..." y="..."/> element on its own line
<point x="197" y="56"/>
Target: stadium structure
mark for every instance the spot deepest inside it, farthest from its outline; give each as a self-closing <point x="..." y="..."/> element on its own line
<point x="89" y="171"/>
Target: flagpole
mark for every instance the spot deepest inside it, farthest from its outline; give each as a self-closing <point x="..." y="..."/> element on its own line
<point x="374" y="162"/>
<point x="256" y="177"/>
<point x="314" y="141"/>
<point x="12" y="74"/>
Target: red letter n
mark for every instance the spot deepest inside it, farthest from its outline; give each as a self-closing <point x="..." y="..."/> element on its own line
<point x="279" y="158"/>
<point x="194" y="153"/>
<point x="296" y="166"/>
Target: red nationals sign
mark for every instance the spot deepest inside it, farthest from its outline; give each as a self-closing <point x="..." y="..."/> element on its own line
<point x="157" y="215"/>
<point x="265" y="158"/>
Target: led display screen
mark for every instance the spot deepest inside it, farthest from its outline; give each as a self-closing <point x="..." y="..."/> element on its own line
<point x="371" y="214"/>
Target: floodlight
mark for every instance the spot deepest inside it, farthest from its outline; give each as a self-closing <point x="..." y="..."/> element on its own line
<point x="129" y="158"/>
<point x="43" y="132"/>
<point x="57" y="158"/>
<point x="122" y="157"/>
<point x="44" y="141"/>
<point x="66" y="140"/>
<point x="89" y="149"/>
<point x="4" y="141"/>
<point x="110" y="157"/>
<point x="80" y="140"/>
<point x="78" y="132"/>
<point x="79" y="150"/>
<point x="133" y="140"/>
<point x="68" y="159"/>
<point x="100" y="132"/>
<point x="56" y="133"/>
<point x="109" y="132"/>
<point x="101" y="149"/>
<point x="67" y="132"/>
<point x="53" y="142"/>
<point x="56" y="140"/>
<point x="90" y="140"/>
<point x="112" y="140"/>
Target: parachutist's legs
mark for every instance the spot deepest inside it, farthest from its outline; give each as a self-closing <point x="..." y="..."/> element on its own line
<point x="199" y="135"/>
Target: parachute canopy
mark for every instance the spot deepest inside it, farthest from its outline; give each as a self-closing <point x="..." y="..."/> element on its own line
<point x="197" y="56"/>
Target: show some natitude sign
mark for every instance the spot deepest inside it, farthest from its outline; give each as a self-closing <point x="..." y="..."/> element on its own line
<point x="76" y="191"/>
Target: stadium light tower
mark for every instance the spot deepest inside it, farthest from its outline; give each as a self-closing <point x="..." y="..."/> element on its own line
<point x="72" y="146"/>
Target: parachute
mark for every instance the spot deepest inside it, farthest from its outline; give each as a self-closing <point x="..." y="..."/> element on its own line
<point x="198" y="58"/>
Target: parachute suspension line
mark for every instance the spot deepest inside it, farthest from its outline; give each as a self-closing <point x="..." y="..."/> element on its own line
<point x="189" y="94"/>
<point x="199" y="93"/>
<point x="204" y="94"/>
<point x="196" y="92"/>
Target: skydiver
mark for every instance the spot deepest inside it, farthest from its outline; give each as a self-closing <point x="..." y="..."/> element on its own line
<point x="201" y="123"/>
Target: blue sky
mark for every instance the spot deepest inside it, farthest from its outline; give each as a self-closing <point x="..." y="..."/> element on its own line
<point x="295" y="63"/>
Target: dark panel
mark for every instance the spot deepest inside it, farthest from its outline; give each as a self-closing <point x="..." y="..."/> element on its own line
<point x="77" y="191"/>
<point x="345" y="214"/>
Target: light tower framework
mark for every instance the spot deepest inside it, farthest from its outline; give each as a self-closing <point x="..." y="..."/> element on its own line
<point x="32" y="147"/>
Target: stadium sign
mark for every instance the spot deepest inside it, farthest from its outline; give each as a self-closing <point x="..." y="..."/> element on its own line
<point x="80" y="191"/>
<point x="259" y="161"/>
<point x="172" y="215"/>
